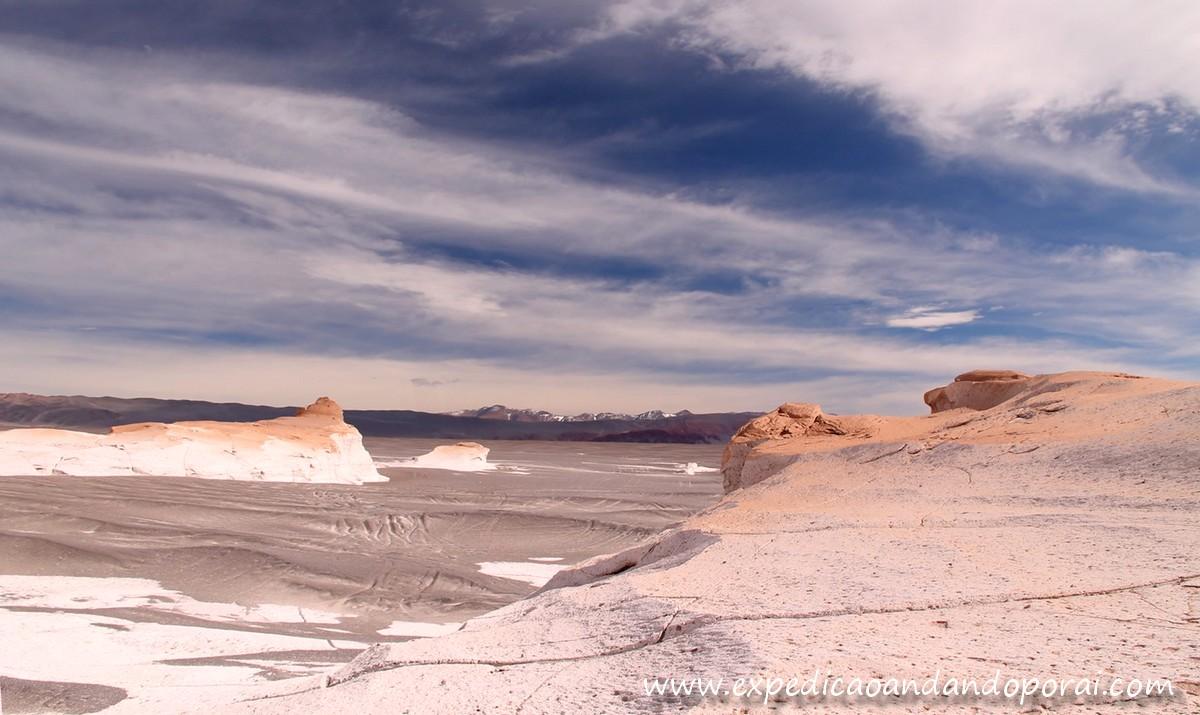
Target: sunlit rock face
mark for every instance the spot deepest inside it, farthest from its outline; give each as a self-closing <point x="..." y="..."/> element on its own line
<point x="791" y="420"/>
<point x="977" y="390"/>
<point x="316" y="445"/>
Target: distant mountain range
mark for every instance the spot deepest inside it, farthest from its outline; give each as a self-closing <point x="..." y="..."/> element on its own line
<point x="494" y="422"/>
<point x="511" y="414"/>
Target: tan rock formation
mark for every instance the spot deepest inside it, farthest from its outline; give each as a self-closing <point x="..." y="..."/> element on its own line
<point x="977" y="390"/>
<point x="322" y="407"/>
<point x="791" y="420"/>
<point x="314" y="446"/>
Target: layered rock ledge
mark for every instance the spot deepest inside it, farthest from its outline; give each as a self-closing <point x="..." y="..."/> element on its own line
<point x="977" y="390"/>
<point x="316" y="445"/>
<point x="1052" y="534"/>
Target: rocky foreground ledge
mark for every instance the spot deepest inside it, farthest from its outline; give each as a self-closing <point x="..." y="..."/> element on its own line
<point x="316" y="445"/>
<point x="1049" y="531"/>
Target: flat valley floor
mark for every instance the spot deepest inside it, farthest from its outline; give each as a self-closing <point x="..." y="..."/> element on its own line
<point x="121" y="584"/>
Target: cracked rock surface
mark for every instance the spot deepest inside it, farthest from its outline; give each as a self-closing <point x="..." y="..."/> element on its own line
<point x="1055" y="534"/>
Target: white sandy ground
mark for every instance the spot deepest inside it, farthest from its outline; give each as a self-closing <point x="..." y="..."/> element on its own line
<point x="411" y="464"/>
<point x="536" y="574"/>
<point x="419" y="630"/>
<point x="159" y="635"/>
<point x="688" y="468"/>
<point x="134" y="634"/>
<point x="89" y="632"/>
<point x="473" y="457"/>
<point x="1051" y="536"/>
<point x="77" y="592"/>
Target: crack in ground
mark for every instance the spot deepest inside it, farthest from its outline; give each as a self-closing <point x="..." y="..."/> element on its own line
<point x="704" y="621"/>
<point x="886" y="454"/>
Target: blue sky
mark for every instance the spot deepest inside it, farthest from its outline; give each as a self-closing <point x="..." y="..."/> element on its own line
<point x="594" y="206"/>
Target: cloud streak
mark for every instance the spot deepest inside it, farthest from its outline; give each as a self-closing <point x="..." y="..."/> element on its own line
<point x="169" y="233"/>
<point x="931" y="319"/>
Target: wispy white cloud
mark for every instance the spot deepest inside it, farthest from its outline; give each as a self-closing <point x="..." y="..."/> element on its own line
<point x="1010" y="82"/>
<point x="154" y="222"/>
<point x="931" y="319"/>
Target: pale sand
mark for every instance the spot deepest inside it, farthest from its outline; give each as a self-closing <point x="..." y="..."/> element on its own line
<point x="177" y="590"/>
<point x="1053" y="535"/>
<point x="415" y="629"/>
<point x="532" y="573"/>
<point x="130" y="633"/>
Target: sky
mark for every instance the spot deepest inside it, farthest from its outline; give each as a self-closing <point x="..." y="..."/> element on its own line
<point x="584" y="206"/>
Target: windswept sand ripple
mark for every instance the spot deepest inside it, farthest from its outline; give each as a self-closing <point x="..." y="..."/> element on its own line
<point x="407" y="549"/>
<point x="127" y="589"/>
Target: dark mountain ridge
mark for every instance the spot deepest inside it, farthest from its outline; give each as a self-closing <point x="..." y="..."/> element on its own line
<point x="99" y="413"/>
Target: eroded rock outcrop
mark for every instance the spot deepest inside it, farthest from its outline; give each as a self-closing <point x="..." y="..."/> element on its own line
<point x="322" y="407"/>
<point x="788" y="421"/>
<point x="316" y="445"/>
<point x="977" y="390"/>
<point x="460" y="457"/>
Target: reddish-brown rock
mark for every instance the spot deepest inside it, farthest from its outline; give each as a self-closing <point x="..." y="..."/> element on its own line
<point x="323" y="407"/>
<point x="977" y="390"/>
<point x="788" y="421"/>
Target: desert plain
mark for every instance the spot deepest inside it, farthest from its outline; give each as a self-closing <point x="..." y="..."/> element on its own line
<point x="1030" y="527"/>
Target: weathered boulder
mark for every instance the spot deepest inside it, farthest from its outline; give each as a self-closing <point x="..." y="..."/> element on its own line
<point x="323" y="407"/>
<point x="459" y="457"/>
<point x="789" y="420"/>
<point x="977" y="390"/>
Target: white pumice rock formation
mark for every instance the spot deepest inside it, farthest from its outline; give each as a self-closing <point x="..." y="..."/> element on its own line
<point x="458" y="457"/>
<point x="316" y="445"/>
<point x="1052" y="535"/>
